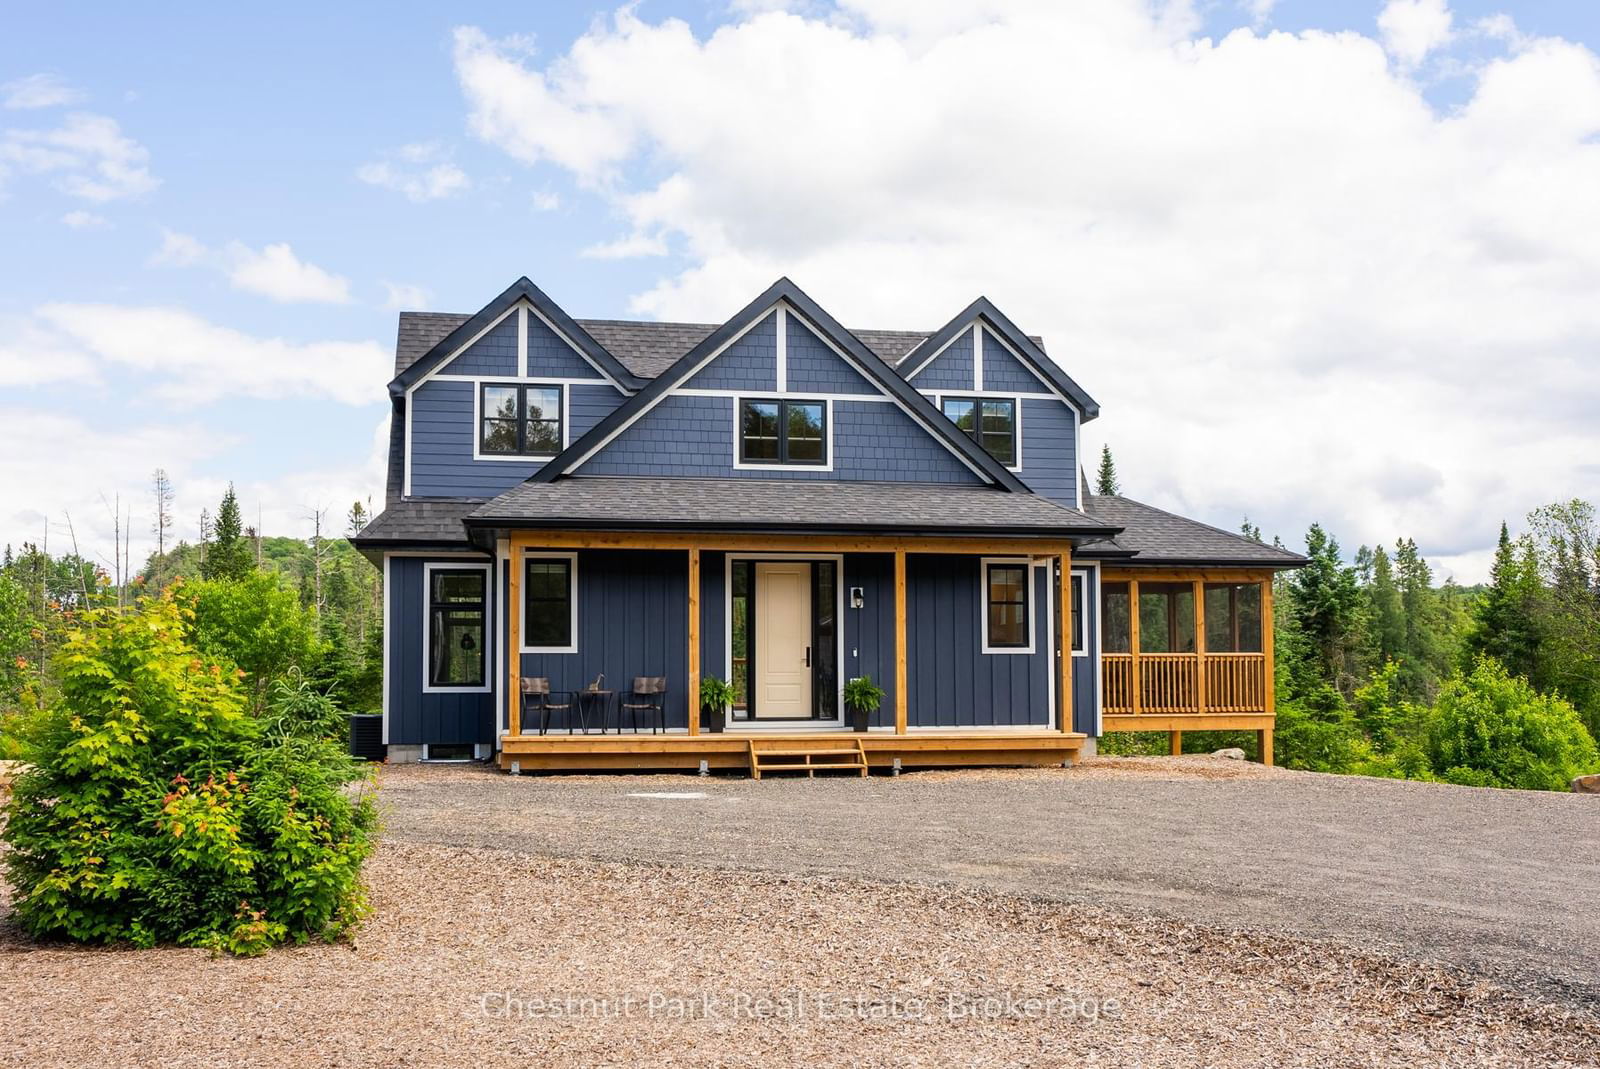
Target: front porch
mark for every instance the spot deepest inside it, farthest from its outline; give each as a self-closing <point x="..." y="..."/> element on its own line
<point x="877" y="588"/>
<point x="1196" y="654"/>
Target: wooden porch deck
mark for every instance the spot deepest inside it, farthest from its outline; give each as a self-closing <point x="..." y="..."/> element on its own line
<point x="731" y="750"/>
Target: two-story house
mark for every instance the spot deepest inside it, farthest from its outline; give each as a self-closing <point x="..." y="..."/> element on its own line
<point x="777" y="501"/>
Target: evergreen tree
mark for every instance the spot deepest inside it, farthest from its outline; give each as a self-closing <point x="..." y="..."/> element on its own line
<point x="1421" y="663"/>
<point x="228" y="554"/>
<point x="1325" y="611"/>
<point x="1505" y="623"/>
<point x="356" y="519"/>
<point x="1250" y="530"/>
<point x="1105" y="481"/>
<point x="1386" y="611"/>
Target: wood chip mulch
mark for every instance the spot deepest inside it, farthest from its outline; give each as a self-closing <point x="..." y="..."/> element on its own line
<point x="469" y="948"/>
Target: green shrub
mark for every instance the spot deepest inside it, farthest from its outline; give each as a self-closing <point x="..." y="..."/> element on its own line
<point x="1317" y="732"/>
<point x="156" y="809"/>
<point x="1492" y="729"/>
<point x="255" y="623"/>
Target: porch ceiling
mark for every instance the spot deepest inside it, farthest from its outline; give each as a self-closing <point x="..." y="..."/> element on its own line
<point x="781" y="505"/>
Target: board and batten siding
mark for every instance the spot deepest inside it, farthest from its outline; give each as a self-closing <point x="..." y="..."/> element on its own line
<point x="415" y="717"/>
<point x="632" y="621"/>
<point x="1086" y="668"/>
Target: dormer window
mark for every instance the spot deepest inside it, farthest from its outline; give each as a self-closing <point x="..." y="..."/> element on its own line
<point x="519" y="420"/>
<point x="989" y="421"/>
<point x="783" y="432"/>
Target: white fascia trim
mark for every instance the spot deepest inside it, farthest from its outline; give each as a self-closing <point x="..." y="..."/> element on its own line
<point x="930" y="358"/>
<point x="827" y="416"/>
<point x="388" y="633"/>
<point x="983" y="605"/>
<point x="793" y="395"/>
<point x="783" y="348"/>
<point x="522" y="340"/>
<point x="520" y="560"/>
<point x="427" y="626"/>
<point x="977" y="357"/>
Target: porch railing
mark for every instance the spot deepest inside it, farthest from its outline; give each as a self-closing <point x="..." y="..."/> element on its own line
<point x="1174" y="683"/>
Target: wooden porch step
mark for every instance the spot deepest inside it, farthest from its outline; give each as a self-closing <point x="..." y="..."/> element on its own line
<point x="825" y="756"/>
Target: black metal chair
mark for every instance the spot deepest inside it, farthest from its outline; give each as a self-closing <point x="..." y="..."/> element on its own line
<point x="648" y="696"/>
<point x="537" y="696"/>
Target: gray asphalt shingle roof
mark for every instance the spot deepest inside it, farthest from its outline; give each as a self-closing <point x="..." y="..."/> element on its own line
<point x="420" y="520"/>
<point x="755" y="504"/>
<point x="646" y="349"/>
<point x="1156" y="536"/>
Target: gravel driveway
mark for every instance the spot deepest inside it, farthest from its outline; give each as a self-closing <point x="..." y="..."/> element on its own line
<point x="1502" y="883"/>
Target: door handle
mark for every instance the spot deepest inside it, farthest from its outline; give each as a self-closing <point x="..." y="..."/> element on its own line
<point x="808" y="656"/>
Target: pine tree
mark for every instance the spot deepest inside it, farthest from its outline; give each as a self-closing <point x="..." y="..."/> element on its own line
<point x="356" y="518"/>
<point x="1250" y="530"/>
<point x="228" y="555"/>
<point x="1325" y="610"/>
<point x="1505" y="623"/>
<point x="1388" y="615"/>
<point x="1105" y="481"/>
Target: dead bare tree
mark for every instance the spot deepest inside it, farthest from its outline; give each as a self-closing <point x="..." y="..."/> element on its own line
<point x="319" y="553"/>
<point x="161" y="486"/>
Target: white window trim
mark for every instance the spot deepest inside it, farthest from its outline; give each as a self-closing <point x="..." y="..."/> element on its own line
<point x="477" y="418"/>
<point x="983" y="605"/>
<point x="428" y="568"/>
<point x="827" y="444"/>
<point x="1016" y="410"/>
<point x="521" y="562"/>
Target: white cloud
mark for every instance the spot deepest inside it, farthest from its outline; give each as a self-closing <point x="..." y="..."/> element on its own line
<point x="93" y="463"/>
<point x="545" y="201"/>
<point x="276" y="272"/>
<point x="187" y="360"/>
<point x="407" y="297"/>
<point x="1260" y="11"/>
<point x="1283" y="274"/>
<point x="33" y="355"/>
<point x="82" y="220"/>
<point x="178" y="250"/>
<point x="1412" y="28"/>
<point x="39" y="91"/>
<point x="421" y="171"/>
<point x="89" y="155"/>
<point x="631" y="247"/>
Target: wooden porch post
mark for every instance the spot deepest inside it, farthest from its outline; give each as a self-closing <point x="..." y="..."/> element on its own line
<point x="1133" y="647"/>
<point x="1175" y="743"/>
<point x="901" y="698"/>
<point x="1269" y="670"/>
<point x="1199" y="646"/>
<point x="694" y="640"/>
<point x="1064" y="599"/>
<point x="514" y="655"/>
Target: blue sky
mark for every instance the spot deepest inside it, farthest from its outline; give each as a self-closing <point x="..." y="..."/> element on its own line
<point x="275" y="184"/>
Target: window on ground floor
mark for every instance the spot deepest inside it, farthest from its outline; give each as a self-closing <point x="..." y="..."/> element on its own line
<point x="1166" y="618"/>
<point x="1077" y="614"/>
<point x="1006" y="606"/>
<point x="1115" y="627"/>
<point x="456" y="626"/>
<point x="1233" y="618"/>
<point x="549" y="603"/>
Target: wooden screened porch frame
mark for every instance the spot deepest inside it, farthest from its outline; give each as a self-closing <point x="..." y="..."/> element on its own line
<point x="974" y="746"/>
<point x="1199" y="691"/>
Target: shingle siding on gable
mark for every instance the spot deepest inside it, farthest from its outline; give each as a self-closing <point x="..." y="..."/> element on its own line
<point x="1050" y="450"/>
<point x="950" y="370"/>
<point x="694" y="437"/>
<point x="549" y="355"/>
<point x="442" y="439"/>
<point x="1002" y="371"/>
<point x="815" y="368"/>
<point x="493" y="354"/>
<point x="751" y="363"/>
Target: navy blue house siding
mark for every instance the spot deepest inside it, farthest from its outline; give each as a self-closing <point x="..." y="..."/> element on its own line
<point x="950" y="370"/>
<point x="815" y="368"/>
<point x="493" y="354"/>
<point x="751" y="363"/>
<point x="416" y="717"/>
<point x="632" y="621"/>
<point x="1050" y="450"/>
<point x="953" y="683"/>
<point x="1002" y="371"/>
<point x="869" y="630"/>
<point x="1085" y="676"/>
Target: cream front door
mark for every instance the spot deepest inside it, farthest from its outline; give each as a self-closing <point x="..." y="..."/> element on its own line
<point x="783" y="640"/>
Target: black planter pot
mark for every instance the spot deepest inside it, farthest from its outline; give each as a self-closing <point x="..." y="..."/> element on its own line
<point x="858" y="719"/>
<point x="713" y="721"/>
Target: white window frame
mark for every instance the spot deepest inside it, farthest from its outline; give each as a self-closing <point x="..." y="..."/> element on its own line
<point x="1029" y="600"/>
<point x="522" y="558"/>
<point x="428" y="568"/>
<point x="478" y="385"/>
<point x="777" y="398"/>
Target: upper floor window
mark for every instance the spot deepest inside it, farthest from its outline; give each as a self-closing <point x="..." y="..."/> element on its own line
<point x="520" y="420"/>
<point x="989" y="421"/>
<point x="783" y="432"/>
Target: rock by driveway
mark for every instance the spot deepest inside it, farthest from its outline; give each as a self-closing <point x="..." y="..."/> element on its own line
<point x="1498" y="882"/>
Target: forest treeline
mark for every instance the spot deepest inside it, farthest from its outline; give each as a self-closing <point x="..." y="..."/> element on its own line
<point x="311" y="608"/>
<point x="1380" y="670"/>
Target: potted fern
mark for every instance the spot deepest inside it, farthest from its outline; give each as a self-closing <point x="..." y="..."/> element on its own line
<point x="862" y="697"/>
<point x="715" y="697"/>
